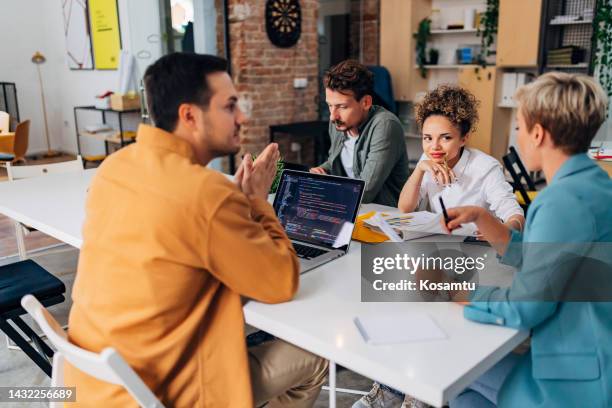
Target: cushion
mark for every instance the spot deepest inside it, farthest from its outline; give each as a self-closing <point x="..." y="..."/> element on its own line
<point x="26" y="277"/>
<point x="531" y="194"/>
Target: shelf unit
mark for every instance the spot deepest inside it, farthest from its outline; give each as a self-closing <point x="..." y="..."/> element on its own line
<point x="571" y="22"/>
<point x="582" y="65"/>
<point x="399" y="20"/>
<point x="577" y="33"/>
<point x="451" y="66"/>
<point x="458" y="31"/>
<point x="9" y="104"/>
<point x="119" y="137"/>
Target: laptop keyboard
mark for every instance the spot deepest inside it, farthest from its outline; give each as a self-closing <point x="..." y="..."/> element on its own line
<point x="307" y="252"/>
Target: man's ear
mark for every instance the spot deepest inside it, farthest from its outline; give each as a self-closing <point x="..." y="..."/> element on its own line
<point x="186" y="115"/>
<point x="366" y="101"/>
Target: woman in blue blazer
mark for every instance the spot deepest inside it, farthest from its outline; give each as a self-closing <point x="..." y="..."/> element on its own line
<point x="569" y="363"/>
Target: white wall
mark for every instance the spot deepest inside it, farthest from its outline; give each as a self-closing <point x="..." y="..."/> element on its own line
<point x="205" y="26"/>
<point x="37" y="25"/>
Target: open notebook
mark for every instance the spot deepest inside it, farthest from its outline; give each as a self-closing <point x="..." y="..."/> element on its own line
<point x="414" y="225"/>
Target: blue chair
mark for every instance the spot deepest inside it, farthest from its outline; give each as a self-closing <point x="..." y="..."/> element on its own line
<point x="383" y="88"/>
<point x="17" y="280"/>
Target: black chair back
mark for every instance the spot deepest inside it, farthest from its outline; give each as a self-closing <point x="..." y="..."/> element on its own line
<point x="517" y="171"/>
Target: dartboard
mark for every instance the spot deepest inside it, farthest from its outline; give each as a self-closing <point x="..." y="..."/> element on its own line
<point x="283" y="22"/>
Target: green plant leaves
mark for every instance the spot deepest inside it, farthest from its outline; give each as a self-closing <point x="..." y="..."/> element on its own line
<point x="489" y="23"/>
<point x="422" y="35"/>
<point x="602" y="32"/>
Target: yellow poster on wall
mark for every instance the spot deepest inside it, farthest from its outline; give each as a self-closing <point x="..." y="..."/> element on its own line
<point x="105" y="35"/>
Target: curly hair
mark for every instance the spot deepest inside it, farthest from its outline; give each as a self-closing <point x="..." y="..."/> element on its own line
<point x="350" y="75"/>
<point x="455" y="103"/>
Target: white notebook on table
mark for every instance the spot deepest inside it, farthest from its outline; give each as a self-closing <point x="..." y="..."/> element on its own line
<point x="381" y="330"/>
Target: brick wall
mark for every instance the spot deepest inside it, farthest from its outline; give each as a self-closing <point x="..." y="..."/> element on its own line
<point x="370" y="27"/>
<point x="263" y="73"/>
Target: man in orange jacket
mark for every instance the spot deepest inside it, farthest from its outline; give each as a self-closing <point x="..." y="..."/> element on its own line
<point x="169" y="248"/>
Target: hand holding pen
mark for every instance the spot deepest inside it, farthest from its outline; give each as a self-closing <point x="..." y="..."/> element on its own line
<point x="454" y="217"/>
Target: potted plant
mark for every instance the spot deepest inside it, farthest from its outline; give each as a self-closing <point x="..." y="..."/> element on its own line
<point x="422" y="35"/>
<point x="487" y="30"/>
<point x="280" y="166"/>
<point x="434" y="56"/>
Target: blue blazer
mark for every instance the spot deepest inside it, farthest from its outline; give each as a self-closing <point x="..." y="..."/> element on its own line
<point x="570" y="361"/>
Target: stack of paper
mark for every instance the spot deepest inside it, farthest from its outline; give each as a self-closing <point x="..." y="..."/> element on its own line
<point x="412" y="225"/>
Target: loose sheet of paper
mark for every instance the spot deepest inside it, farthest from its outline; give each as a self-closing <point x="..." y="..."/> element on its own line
<point x="381" y="330"/>
<point x="379" y="222"/>
<point x="344" y="236"/>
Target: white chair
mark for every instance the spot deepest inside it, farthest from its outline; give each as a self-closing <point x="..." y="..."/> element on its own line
<point x="107" y="366"/>
<point x="38" y="170"/>
<point x="4" y="122"/>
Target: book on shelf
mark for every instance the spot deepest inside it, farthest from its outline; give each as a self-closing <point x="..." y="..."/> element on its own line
<point x="569" y="55"/>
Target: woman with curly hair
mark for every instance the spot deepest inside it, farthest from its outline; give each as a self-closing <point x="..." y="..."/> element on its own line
<point x="460" y="175"/>
<point x="448" y="169"/>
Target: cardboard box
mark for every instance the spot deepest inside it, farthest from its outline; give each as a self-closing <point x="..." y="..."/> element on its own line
<point x="121" y="102"/>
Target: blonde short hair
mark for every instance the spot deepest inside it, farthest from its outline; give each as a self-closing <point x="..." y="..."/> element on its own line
<point x="571" y="107"/>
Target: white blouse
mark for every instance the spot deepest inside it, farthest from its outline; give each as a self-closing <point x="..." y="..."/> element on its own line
<point x="480" y="181"/>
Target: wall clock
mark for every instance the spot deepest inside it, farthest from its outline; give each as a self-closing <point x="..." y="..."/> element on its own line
<point x="283" y="22"/>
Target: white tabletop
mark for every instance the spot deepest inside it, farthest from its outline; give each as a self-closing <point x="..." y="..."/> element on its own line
<point x="320" y="318"/>
<point x="53" y="204"/>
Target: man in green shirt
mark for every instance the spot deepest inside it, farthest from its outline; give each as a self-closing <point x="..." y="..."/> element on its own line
<point x="367" y="141"/>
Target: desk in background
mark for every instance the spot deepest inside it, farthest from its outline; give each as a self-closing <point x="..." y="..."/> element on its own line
<point x="606" y="165"/>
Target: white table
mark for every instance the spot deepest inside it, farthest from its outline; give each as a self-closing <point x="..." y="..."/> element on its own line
<point x="320" y="318"/>
<point x="54" y="204"/>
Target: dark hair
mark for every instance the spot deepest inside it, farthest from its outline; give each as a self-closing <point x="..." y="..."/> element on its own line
<point x="352" y="76"/>
<point x="175" y="79"/>
<point x="458" y="105"/>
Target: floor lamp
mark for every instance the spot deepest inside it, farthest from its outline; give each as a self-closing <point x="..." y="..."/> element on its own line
<point x="38" y="59"/>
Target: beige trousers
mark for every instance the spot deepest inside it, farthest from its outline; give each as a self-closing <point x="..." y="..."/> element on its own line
<point x="283" y="375"/>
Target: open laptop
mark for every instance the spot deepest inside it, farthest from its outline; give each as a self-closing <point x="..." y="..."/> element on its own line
<point x="313" y="209"/>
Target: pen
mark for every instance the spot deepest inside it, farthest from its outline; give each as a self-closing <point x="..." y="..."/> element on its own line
<point x="446" y="219"/>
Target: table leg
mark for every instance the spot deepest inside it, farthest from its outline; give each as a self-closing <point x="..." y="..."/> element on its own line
<point x="21" y="248"/>
<point x="332" y="384"/>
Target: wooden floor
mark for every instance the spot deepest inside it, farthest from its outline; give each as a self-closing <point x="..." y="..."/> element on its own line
<point x="8" y="243"/>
